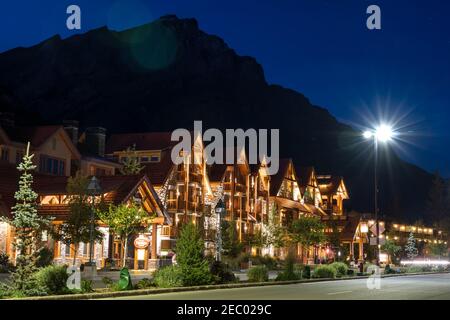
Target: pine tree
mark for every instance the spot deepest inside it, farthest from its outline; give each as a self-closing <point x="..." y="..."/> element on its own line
<point x="132" y="163"/>
<point x="410" y="247"/>
<point x="28" y="226"/>
<point x="190" y="257"/>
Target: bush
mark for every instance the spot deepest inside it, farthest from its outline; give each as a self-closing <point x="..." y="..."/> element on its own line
<point x="86" y="286"/>
<point x="306" y="274"/>
<point x="341" y="268"/>
<point x="5" y="264"/>
<point x="415" y="269"/>
<point x="288" y="273"/>
<point x="325" y="271"/>
<point x="144" y="284"/>
<point x="45" y="257"/>
<point x="266" y="260"/>
<point x="258" y="274"/>
<point x="168" y="277"/>
<point x="221" y="273"/>
<point x="108" y="282"/>
<point x="52" y="279"/>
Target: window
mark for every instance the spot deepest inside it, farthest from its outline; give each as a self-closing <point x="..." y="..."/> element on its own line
<point x="154" y="159"/>
<point x="4" y="154"/>
<point x="52" y="166"/>
<point x="144" y="159"/>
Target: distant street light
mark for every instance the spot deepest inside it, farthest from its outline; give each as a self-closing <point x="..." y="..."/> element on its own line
<point x="383" y="133"/>
<point x="93" y="189"/>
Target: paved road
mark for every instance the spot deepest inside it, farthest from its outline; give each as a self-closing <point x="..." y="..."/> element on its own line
<point x="424" y="287"/>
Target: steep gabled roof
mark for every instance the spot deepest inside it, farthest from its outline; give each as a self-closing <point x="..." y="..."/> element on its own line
<point x="304" y="176"/>
<point x="277" y="179"/>
<point x="118" y="189"/>
<point x="38" y="135"/>
<point x="330" y="184"/>
<point x="158" y="172"/>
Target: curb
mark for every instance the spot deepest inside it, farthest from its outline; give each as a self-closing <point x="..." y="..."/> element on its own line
<point x="140" y="292"/>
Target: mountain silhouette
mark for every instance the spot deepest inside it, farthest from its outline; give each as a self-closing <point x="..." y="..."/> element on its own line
<point x="165" y="74"/>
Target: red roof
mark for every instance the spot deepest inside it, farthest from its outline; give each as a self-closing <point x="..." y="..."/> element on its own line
<point x="117" y="187"/>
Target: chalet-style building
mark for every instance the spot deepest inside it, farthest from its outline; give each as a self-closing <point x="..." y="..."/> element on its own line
<point x="183" y="189"/>
<point x="173" y="194"/>
<point x="53" y="202"/>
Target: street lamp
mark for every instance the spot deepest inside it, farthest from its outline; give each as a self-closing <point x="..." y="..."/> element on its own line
<point x="93" y="189"/>
<point x="383" y="133"/>
<point x="220" y="211"/>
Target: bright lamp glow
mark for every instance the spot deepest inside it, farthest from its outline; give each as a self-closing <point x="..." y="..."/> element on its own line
<point x="367" y="134"/>
<point x="384" y="133"/>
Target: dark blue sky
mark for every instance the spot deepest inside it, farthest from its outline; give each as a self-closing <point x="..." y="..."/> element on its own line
<point x="320" y="48"/>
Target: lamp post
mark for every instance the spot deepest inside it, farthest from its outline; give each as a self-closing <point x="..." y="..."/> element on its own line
<point x="93" y="189"/>
<point x="220" y="211"/>
<point x="383" y="133"/>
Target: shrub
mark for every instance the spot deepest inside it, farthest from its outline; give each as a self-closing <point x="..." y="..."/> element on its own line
<point x="258" y="274"/>
<point x="168" y="277"/>
<point x="86" y="286"/>
<point x="266" y="260"/>
<point x="325" y="271"/>
<point x="144" y="283"/>
<point x="306" y="274"/>
<point x="221" y="273"/>
<point x="5" y="291"/>
<point x="288" y="273"/>
<point x="369" y="266"/>
<point x="108" y="282"/>
<point x="52" y="279"/>
<point x="341" y="268"/>
<point x="414" y="269"/>
<point x="45" y="257"/>
<point x="5" y="264"/>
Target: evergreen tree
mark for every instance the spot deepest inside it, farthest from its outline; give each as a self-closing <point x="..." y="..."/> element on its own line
<point x="28" y="226"/>
<point x="131" y="163"/>
<point x="230" y="242"/>
<point x="190" y="257"/>
<point x="410" y="247"/>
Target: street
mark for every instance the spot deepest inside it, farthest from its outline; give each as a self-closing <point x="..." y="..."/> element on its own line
<point x="422" y="287"/>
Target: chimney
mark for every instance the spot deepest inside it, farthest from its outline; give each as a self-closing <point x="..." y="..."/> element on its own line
<point x="95" y="140"/>
<point x="71" y="127"/>
<point x="7" y="119"/>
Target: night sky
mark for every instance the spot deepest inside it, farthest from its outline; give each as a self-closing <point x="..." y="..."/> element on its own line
<point x="400" y="74"/>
